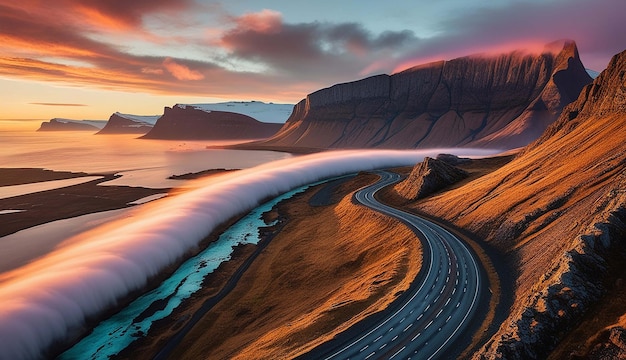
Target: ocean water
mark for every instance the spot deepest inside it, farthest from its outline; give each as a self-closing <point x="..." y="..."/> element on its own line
<point x="141" y="162"/>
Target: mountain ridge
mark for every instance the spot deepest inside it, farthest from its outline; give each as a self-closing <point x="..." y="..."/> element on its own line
<point x="503" y="101"/>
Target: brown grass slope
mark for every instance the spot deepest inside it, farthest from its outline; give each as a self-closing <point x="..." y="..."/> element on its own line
<point x="329" y="267"/>
<point x="554" y="211"/>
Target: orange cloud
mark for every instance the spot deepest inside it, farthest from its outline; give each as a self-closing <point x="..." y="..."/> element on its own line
<point x="181" y="72"/>
<point x="265" y="21"/>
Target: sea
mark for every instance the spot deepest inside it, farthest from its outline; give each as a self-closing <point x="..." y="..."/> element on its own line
<point x="141" y="162"/>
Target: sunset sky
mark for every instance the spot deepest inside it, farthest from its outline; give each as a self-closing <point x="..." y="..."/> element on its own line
<point x="85" y="59"/>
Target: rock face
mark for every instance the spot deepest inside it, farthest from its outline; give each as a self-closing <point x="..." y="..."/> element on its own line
<point x="554" y="212"/>
<point x="428" y="177"/>
<point x="69" y="125"/>
<point x="128" y="124"/>
<point x="189" y="123"/>
<point x="504" y="101"/>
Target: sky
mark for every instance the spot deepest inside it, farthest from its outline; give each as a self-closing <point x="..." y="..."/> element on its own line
<point x="85" y="59"/>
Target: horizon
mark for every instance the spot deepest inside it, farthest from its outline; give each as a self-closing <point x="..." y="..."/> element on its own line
<point x="137" y="58"/>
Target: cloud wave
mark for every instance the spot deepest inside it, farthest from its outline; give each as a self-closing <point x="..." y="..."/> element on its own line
<point x="50" y="298"/>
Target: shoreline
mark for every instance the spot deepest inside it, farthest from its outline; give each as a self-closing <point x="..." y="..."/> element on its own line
<point x="66" y="202"/>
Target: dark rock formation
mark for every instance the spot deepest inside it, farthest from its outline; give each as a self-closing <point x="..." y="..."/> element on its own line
<point x="119" y="124"/>
<point x="505" y="101"/>
<point x="452" y="159"/>
<point x="612" y="347"/>
<point x="188" y="123"/>
<point x="67" y="125"/>
<point x="428" y="177"/>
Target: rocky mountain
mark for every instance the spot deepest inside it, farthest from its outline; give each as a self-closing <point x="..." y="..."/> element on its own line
<point x="501" y="101"/>
<point x="58" y="124"/>
<point x="128" y="124"/>
<point x="264" y="112"/>
<point x="557" y="215"/>
<point x="193" y="123"/>
<point x="429" y="176"/>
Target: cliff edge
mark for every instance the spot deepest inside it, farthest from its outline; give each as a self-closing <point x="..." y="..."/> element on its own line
<point x="501" y="101"/>
<point x="557" y="214"/>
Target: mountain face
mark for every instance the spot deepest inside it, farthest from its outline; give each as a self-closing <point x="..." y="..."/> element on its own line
<point x="427" y="177"/>
<point x="57" y="124"/>
<point x="557" y="214"/>
<point x="183" y="122"/>
<point x="128" y="124"/>
<point x="477" y="101"/>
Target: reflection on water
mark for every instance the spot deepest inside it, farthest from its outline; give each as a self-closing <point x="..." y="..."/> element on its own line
<point x="141" y="162"/>
<point x="17" y="190"/>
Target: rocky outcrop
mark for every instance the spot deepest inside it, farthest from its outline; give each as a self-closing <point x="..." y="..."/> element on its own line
<point x="613" y="345"/>
<point x="554" y="213"/>
<point x="427" y="177"/>
<point x="502" y="101"/>
<point x="127" y="124"/>
<point x="68" y="125"/>
<point x="190" y="123"/>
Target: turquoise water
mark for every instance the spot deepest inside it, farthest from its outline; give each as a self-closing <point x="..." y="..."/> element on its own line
<point x="116" y="333"/>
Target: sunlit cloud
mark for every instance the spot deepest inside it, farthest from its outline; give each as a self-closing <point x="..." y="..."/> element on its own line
<point x="181" y="72"/>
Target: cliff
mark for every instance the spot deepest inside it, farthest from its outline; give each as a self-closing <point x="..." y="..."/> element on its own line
<point x="183" y="122"/>
<point x="57" y="124"/>
<point x="428" y="177"/>
<point x="557" y="214"/>
<point x="128" y="124"/>
<point x="501" y="101"/>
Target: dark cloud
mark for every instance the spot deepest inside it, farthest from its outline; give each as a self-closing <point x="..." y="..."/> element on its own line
<point x="311" y="50"/>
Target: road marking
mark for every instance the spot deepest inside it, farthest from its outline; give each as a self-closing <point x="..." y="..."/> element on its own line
<point x="397" y="352"/>
<point x="394" y="338"/>
<point x="390" y="330"/>
<point x="419" y="317"/>
<point x="382" y="347"/>
<point x="430" y="323"/>
<point x="404" y="318"/>
<point x="459" y="304"/>
<point x="448" y="319"/>
<point x="363" y="349"/>
<point x="447" y="302"/>
<point x="378" y="338"/>
<point x="370" y="355"/>
<point x="427" y="307"/>
<point x="416" y="336"/>
<point x="439" y="313"/>
<point x="453" y="291"/>
<point x="464" y="289"/>
<point x="407" y="328"/>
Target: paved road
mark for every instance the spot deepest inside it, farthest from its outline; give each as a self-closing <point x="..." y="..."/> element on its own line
<point x="432" y="313"/>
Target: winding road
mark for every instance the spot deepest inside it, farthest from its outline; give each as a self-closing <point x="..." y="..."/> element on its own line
<point x="433" y="312"/>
